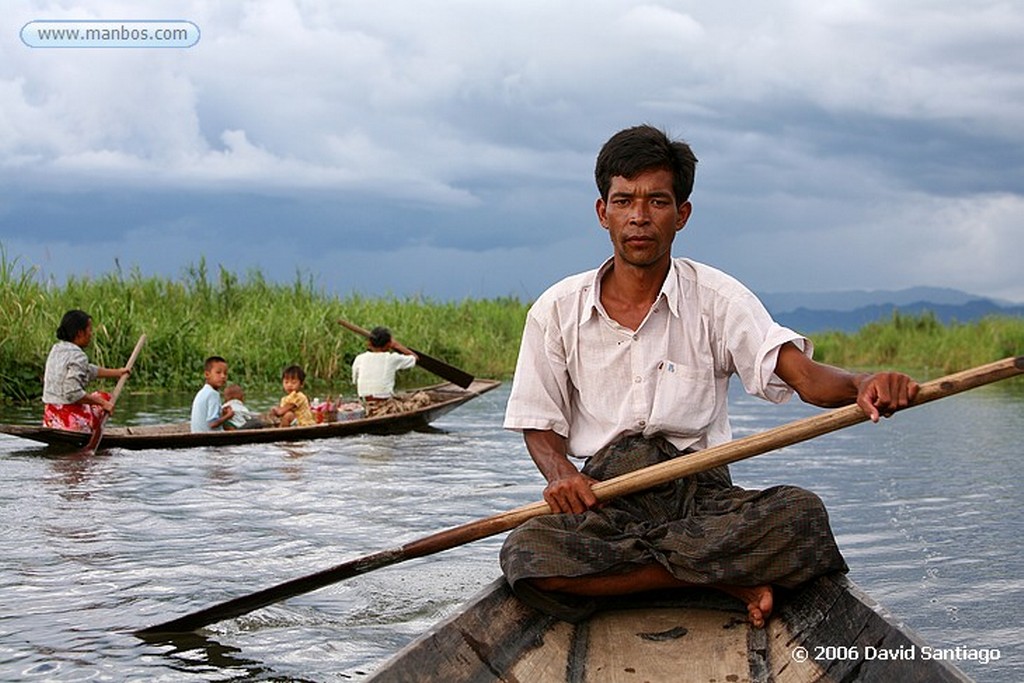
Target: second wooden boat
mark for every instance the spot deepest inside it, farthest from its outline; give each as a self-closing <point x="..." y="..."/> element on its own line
<point x="444" y="398"/>
<point x="828" y="630"/>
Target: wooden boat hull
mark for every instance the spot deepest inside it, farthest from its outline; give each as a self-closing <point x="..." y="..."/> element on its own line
<point x="683" y="636"/>
<point x="447" y="397"/>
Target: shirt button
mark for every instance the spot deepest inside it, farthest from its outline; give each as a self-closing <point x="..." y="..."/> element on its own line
<point x="643" y="423"/>
<point x="638" y="379"/>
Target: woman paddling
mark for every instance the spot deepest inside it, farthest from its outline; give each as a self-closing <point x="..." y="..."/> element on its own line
<point x="67" y="404"/>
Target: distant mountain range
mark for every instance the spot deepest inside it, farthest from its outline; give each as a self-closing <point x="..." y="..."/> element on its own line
<point x="810" y="312"/>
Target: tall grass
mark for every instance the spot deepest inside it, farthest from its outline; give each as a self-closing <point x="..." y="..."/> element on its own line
<point x="261" y="327"/>
<point x="923" y="345"/>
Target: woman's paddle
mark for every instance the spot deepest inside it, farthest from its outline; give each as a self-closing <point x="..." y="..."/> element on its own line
<point x="97" y="434"/>
<point x="785" y="435"/>
<point x="428" y="363"/>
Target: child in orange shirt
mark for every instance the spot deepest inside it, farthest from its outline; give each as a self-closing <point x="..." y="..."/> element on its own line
<point x="294" y="408"/>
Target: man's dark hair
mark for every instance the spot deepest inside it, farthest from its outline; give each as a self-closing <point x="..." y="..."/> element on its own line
<point x="73" y="322"/>
<point x="380" y="337"/>
<point x="635" y="150"/>
<point x="208" y="364"/>
<point x="294" y="372"/>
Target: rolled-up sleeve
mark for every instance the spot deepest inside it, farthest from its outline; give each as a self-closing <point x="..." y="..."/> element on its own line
<point x="754" y="341"/>
<point x="772" y="386"/>
<point x="80" y="373"/>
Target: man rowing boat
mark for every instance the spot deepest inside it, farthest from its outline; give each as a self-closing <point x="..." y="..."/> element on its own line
<point x="628" y="365"/>
<point x="374" y="370"/>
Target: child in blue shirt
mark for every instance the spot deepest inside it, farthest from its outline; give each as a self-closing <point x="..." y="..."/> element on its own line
<point x="207" y="414"/>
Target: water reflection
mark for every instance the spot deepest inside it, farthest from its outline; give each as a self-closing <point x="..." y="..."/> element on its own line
<point x="72" y="475"/>
<point x="205" y="656"/>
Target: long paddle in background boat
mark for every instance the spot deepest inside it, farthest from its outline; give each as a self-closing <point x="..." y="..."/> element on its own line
<point x="632" y="482"/>
<point x="97" y="434"/>
<point x="430" y="364"/>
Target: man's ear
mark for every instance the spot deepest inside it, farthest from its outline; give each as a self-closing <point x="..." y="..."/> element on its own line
<point x="602" y="212"/>
<point x="683" y="215"/>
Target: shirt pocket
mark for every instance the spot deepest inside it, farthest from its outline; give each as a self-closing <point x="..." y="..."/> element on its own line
<point x="684" y="400"/>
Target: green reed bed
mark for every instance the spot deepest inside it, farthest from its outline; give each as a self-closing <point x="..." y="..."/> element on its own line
<point x="261" y="327"/>
<point x="922" y="345"/>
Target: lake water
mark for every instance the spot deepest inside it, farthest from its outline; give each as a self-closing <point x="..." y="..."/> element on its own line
<point x="926" y="508"/>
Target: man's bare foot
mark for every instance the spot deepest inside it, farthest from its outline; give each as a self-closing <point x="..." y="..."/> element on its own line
<point x="758" y="600"/>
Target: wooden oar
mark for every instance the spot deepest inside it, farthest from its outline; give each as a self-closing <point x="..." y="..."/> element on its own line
<point x="785" y="435"/>
<point x="440" y="368"/>
<point x="97" y="434"/>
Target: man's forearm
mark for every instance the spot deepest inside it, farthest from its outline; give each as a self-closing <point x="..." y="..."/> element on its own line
<point x="549" y="452"/>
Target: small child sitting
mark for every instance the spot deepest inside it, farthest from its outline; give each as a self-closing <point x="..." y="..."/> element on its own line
<point x="294" y="408"/>
<point x="242" y="417"/>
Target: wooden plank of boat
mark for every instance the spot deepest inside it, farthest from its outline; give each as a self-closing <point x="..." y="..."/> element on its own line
<point x="445" y="397"/>
<point x="692" y="635"/>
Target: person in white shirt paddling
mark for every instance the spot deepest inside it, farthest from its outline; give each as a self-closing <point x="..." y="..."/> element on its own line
<point x="628" y="365"/>
<point x="374" y="370"/>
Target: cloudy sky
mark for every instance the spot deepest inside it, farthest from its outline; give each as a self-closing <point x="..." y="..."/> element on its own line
<point x="446" y="148"/>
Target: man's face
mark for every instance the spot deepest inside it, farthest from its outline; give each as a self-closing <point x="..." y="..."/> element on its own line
<point x="642" y="217"/>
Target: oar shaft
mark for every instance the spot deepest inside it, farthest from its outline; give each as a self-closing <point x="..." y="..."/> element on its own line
<point x="94" y="439"/>
<point x="130" y="364"/>
<point x="633" y="482"/>
<point x="797" y="431"/>
<point x="354" y="328"/>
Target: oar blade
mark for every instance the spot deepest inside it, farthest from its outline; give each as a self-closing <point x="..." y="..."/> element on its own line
<point x="454" y="375"/>
<point x="239" y="606"/>
<point x="97" y="434"/>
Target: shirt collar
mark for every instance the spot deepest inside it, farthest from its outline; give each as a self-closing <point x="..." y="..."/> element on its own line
<point x="592" y="299"/>
<point x="669" y="289"/>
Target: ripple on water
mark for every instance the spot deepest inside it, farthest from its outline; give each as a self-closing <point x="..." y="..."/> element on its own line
<point x="94" y="548"/>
